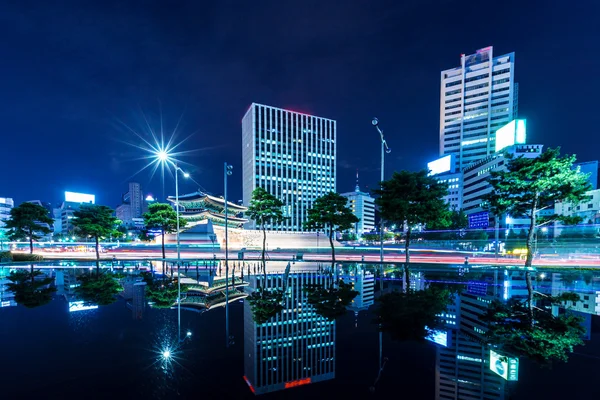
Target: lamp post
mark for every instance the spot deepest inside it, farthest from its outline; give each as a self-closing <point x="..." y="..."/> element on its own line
<point x="384" y="149"/>
<point x="227" y="171"/>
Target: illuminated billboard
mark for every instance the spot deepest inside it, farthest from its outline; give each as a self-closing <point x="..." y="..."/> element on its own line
<point x="441" y="165"/>
<point x="437" y="336"/>
<point x="506" y="367"/>
<point x="80" y="197"/>
<point x="81" y="306"/>
<point x="515" y="132"/>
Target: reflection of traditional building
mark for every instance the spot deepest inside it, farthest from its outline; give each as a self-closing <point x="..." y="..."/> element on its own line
<point x="296" y="346"/>
<point x="364" y="283"/>
<point x="198" y="206"/>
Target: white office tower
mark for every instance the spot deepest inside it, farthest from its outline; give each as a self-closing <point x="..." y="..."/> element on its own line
<point x="476" y="99"/>
<point x="6" y="204"/>
<point x="291" y="155"/>
<point x="363" y="207"/>
<point x="296" y="346"/>
<point x="363" y="282"/>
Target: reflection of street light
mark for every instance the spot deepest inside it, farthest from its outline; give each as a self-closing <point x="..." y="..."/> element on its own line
<point x="227" y="171"/>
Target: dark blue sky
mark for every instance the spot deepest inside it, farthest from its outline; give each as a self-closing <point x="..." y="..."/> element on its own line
<point x="72" y="70"/>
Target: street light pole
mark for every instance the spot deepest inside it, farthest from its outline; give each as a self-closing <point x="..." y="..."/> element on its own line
<point x="384" y="149"/>
<point x="227" y="170"/>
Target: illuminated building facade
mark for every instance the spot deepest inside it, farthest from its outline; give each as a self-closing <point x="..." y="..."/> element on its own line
<point x="363" y="207"/>
<point x="198" y="206"/>
<point x="292" y="156"/>
<point x="64" y="214"/>
<point x="6" y="204"/>
<point x="476" y="99"/>
<point x="295" y="347"/>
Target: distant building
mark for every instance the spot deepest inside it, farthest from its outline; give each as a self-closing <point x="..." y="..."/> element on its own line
<point x="296" y="347"/>
<point x="6" y="204"/>
<point x="588" y="210"/>
<point x="476" y="98"/>
<point x="363" y="207"/>
<point x="444" y="169"/>
<point x="64" y="213"/>
<point x="292" y="156"/>
<point x="133" y="205"/>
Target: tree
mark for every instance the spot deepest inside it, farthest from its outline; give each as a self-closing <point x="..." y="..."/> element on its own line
<point x="162" y="216"/>
<point x="29" y="291"/>
<point x="530" y="185"/>
<point x="99" y="290"/>
<point x="412" y="314"/>
<point x="265" y="304"/>
<point x="265" y="209"/>
<point x="28" y="220"/>
<point x="451" y="223"/>
<point x="412" y="198"/>
<point x="330" y="212"/>
<point x="330" y="302"/>
<point x="538" y="335"/>
<point x="95" y="221"/>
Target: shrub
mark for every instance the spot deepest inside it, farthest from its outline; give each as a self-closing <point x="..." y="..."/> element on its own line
<point x="26" y="257"/>
<point x="5" y="256"/>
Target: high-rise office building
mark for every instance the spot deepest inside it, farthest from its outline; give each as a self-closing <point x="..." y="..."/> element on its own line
<point x="6" y="204"/>
<point x="296" y="346"/>
<point x="476" y="99"/>
<point x="291" y="155"/>
<point x="133" y="206"/>
<point x="363" y="207"/>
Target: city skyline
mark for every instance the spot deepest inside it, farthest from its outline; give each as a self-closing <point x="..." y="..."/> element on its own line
<point x="355" y="68"/>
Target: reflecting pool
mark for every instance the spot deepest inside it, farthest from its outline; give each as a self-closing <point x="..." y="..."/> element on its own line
<point x="295" y="330"/>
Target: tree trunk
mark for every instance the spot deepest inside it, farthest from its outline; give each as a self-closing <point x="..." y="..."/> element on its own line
<point x="529" y="257"/>
<point x="97" y="258"/>
<point x="407" y="253"/>
<point x="331" y="244"/>
<point x="30" y="241"/>
<point x="163" y="252"/>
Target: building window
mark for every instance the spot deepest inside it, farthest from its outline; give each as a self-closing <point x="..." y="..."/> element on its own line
<point x="590" y="206"/>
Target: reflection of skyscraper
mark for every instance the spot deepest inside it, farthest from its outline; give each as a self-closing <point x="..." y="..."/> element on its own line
<point x="139" y="300"/>
<point x="463" y="370"/>
<point x="296" y="346"/>
<point x="7" y="298"/>
<point x="364" y="283"/>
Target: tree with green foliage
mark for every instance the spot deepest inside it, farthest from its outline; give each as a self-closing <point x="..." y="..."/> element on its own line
<point x="163" y="217"/>
<point x="412" y="314"/>
<point x="98" y="290"/>
<point x="330" y="212"/>
<point x="412" y="198"/>
<point x="29" y="291"/>
<point x="538" y="335"/>
<point x="450" y="226"/>
<point x="265" y="209"/>
<point x="28" y="221"/>
<point x="92" y="220"/>
<point x="330" y="302"/>
<point x="530" y="185"/>
<point x="265" y="304"/>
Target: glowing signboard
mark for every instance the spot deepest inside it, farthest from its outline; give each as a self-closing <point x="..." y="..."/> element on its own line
<point x="81" y="306"/>
<point x="80" y="197"/>
<point x="441" y="165"/>
<point x="438" y="336"/>
<point x="506" y="367"/>
<point x="515" y="132"/>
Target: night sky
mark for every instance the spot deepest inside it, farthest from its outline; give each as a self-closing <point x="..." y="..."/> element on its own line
<point x="73" y="73"/>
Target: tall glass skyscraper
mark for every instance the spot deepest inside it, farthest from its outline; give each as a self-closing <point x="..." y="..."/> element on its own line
<point x="476" y="99"/>
<point x="296" y="346"/>
<point x="289" y="154"/>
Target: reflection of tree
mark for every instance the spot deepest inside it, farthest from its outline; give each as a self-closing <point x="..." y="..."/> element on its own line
<point x="331" y="302"/>
<point x="543" y="338"/>
<point x="30" y="292"/>
<point x="411" y="314"/>
<point x="99" y="289"/>
<point x="265" y="304"/>
<point x="163" y="293"/>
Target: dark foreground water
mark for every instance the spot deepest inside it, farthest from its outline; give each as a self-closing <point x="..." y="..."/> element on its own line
<point x="115" y="351"/>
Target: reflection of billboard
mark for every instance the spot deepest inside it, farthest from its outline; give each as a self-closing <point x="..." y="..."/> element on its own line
<point x="80" y="197"/>
<point x="506" y="367"/>
<point x="515" y="132"/>
<point x="480" y="220"/>
<point x="438" y="336"/>
<point x="441" y="165"/>
<point x="80" y="306"/>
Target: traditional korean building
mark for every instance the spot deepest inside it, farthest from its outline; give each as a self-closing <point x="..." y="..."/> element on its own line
<point x="198" y="206"/>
